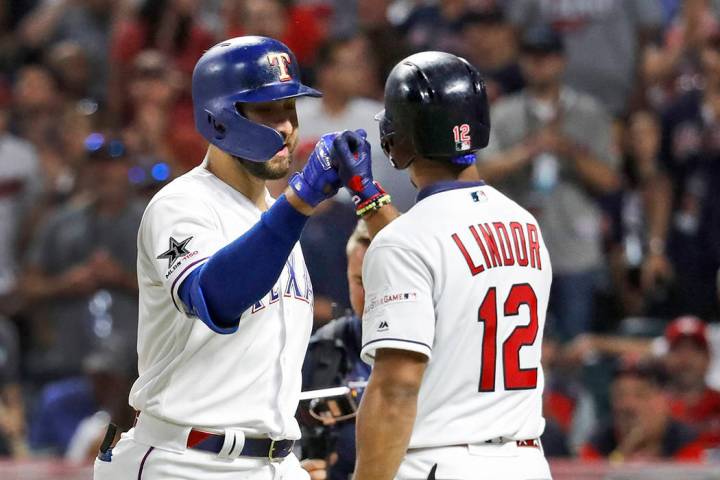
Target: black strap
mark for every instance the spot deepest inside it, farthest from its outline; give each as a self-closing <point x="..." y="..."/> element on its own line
<point x="254" y="447"/>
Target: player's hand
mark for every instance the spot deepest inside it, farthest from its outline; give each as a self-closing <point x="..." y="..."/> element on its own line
<point x="318" y="180"/>
<point x="352" y="157"/>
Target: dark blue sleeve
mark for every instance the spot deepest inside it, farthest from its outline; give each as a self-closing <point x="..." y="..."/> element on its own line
<point x="241" y="273"/>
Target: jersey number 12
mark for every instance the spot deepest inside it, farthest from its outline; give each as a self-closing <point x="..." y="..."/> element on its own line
<point x="515" y="378"/>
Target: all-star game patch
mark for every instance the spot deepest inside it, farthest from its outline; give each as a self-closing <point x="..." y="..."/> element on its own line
<point x="175" y="251"/>
<point x="376" y="301"/>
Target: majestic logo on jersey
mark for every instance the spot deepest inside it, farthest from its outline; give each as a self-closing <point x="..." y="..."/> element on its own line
<point x="282" y="61"/>
<point x="383" y="326"/>
<point x="175" y="251"/>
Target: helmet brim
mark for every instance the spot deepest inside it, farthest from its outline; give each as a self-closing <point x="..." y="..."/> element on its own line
<point x="273" y="92"/>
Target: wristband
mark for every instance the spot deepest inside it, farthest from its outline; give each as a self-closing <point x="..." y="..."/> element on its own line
<point x="373" y="203"/>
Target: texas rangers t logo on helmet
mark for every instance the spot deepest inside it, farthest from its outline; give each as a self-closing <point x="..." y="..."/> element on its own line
<point x="282" y="60"/>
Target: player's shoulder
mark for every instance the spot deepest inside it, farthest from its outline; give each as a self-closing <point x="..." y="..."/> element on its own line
<point x="189" y="188"/>
<point x="509" y="205"/>
<point x="189" y="195"/>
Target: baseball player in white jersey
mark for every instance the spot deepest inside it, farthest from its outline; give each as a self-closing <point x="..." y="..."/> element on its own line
<point x="456" y="292"/>
<point x="225" y="298"/>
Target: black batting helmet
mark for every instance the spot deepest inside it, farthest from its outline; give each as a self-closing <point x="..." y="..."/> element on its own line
<point x="436" y="102"/>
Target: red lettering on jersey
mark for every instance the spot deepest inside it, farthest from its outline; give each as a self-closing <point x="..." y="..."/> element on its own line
<point x="491" y="244"/>
<point x="534" y="240"/>
<point x="504" y="242"/>
<point x="520" y="244"/>
<point x="474" y="269"/>
<point x="282" y="60"/>
<point x="475" y="234"/>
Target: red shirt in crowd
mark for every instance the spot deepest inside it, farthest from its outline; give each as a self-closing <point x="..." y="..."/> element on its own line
<point x="704" y="415"/>
<point x="303" y="33"/>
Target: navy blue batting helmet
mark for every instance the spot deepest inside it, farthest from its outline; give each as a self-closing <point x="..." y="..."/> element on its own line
<point x="436" y="103"/>
<point x="244" y="70"/>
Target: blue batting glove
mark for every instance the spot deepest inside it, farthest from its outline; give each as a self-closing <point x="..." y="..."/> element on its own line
<point x="318" y="180"/>
<point x="352" y="157"/>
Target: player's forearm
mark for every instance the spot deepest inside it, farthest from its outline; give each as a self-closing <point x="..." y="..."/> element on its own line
<point x="379" y="219"/>
<point x="239" y="274"/>
<point x="384" y="425"/>
<point x="297" y="203"/>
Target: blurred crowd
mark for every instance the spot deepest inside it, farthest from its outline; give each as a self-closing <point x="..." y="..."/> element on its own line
<point x="605" y="124"/>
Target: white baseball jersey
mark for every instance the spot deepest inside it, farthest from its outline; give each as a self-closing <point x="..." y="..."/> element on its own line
<point x="190" y="375"/>
<point x="464" y="278"/>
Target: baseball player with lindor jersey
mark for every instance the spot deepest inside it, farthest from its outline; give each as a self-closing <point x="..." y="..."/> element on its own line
<point x="225" y="298"/>
<point x="456" y="292"/>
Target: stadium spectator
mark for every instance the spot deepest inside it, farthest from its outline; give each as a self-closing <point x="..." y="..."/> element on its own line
<point x="687" y="361"/>
<point x="86" y="22"/>
<point x="641" y="427"/>
<point x="12" y="406"/>
<point x="346" y="74"/>
<point x="19" y="186"/>
<point x="489" y="44"/>
<point x="81" y="269"/>
<point x="568" y="408"/>
<point x="70" y="65"/>
<point x="297" y="26"/>
<point x="162" y="127"/>
<point x="64" y="419"/>
<point x="671" y="67"/>
<point x="551" y="150"/>
<point x="604" y="41"/>
<point x="373" y="20"/>
<point x="333" y="359"/>
<point x="435" y="26"/>
<point x="689" y="155"/>
<point x="170" y="26"/>
<point x="641" y="272"/>
<point x="37" y="104"/>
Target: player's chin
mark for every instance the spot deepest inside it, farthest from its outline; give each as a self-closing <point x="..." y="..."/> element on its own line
<point x="274" y="169"/>
<point x="278" y="166"/>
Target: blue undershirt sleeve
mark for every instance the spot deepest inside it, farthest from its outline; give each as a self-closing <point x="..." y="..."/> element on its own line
<point x="241" y="273"/>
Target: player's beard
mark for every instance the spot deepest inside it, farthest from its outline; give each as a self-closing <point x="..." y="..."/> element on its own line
<point x="275" y="168"/>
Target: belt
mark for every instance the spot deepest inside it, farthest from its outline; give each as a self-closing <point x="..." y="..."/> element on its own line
<point x="533" y="443"/>
<point x="253" y="447"/>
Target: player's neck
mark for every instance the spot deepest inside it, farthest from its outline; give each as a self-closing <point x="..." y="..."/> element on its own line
<point x="227" y="169"/>
<point x="424" y="172"/>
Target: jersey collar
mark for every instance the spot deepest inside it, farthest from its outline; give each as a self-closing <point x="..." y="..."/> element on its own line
<point x="444" y="186"/>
